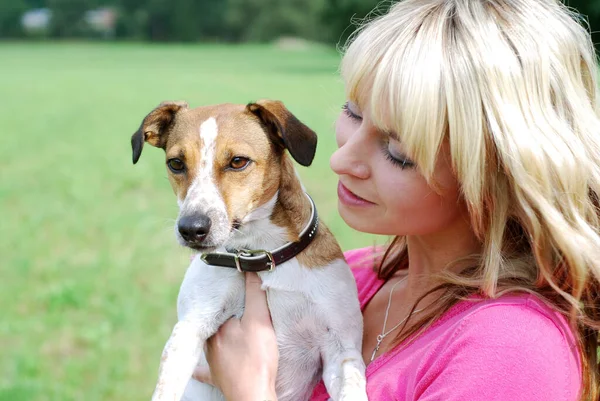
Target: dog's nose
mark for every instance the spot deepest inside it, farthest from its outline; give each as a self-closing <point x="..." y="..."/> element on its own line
<point x="194" y="228"/>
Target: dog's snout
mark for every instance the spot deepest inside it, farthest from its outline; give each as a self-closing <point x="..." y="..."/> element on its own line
<point x="194" y="228"/>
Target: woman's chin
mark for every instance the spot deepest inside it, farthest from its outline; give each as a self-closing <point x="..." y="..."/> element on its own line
<point x="357" y="220"/>
<point x="366" y="222"/>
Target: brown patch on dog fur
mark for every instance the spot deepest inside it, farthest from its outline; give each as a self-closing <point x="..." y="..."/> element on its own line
<point x="244" y="191"/>
<point x="293" y="212"/>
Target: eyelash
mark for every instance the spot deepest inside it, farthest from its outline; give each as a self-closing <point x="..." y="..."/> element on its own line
<point x="349" y="113"/>
<point x="402" y="163"/>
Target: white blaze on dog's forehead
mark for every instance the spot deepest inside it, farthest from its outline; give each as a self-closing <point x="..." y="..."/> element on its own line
<point x="203" y="192"/>
<point x="208" y="134"/>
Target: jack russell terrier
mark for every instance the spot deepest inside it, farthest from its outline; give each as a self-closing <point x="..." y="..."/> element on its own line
<point x="243" y="208"/>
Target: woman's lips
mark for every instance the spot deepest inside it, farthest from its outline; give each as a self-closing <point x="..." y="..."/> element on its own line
<point x="348" y="197"/>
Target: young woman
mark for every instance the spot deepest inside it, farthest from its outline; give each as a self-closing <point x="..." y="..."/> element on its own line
<point x="471" y="135"/>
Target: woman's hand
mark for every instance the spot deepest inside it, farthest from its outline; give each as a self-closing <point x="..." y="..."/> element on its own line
<point x="243" y="354"/>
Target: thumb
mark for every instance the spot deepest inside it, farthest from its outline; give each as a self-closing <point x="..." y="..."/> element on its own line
<point x="256" y="300"/>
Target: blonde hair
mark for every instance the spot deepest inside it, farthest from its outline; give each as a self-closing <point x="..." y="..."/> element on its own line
<point x="511" y="85"/>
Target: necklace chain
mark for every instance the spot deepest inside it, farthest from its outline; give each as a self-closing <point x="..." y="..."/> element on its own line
<point x="384" y="334"/>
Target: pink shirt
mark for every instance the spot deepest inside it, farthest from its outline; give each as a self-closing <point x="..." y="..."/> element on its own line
<point x="514" y="348"/>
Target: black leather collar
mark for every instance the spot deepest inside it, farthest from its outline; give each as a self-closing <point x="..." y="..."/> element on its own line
<point x="245" y="260"/>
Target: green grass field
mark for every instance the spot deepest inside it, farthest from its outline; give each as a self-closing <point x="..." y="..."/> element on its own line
<point x="89" y="266"/>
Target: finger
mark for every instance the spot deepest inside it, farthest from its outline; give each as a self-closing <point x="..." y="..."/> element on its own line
<point x="202" y="374"/>
<point x="256" y="300"/>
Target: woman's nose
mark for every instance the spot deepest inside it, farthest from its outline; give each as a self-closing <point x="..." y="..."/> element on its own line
<point x="351" y="157"/>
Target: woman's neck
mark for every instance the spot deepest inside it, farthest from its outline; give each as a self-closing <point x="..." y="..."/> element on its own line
<point x="429" y="255"/>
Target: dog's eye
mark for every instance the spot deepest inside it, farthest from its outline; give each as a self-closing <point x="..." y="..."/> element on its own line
<point x="239" y="163"/>
<point x="176" y="165"/>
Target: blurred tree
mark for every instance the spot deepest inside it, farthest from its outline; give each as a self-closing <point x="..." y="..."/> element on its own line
<point x="67" y="17"/>
<point x="10" y="17"/>
<point x="132" y="19"/>
<point x="262" y="20"/>
<point x="193" y="20"/>
<point x="170" y="20"/>
<point x="158" y="19"/>
<point x="36" y="3"/>
<point x="342" y="17"/>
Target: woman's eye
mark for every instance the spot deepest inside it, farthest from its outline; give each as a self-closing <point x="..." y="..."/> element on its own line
<point x="401" y="162"/>
<point x="239" y="163"/>
<point x="398" y="160"/>
<point x="176" y="166"/>
<point x="348" y="111"/>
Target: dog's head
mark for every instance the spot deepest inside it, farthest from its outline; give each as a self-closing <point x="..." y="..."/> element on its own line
<point x="224" y="162"/>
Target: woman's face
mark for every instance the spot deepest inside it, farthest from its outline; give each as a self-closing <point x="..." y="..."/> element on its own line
<point x="380" y="189"/>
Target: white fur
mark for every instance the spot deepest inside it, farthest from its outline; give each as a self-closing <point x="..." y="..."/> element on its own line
<point x="257" y="231"/>
<point x="203" y="195"/>
<point x="315" y="311"/>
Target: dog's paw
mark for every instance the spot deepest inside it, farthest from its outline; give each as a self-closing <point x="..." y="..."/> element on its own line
<point x="353" y="384"/>
<point x="356" y="396"/>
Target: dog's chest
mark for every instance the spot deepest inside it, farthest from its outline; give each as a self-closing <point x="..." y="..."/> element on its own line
<point x="220" y="293"/>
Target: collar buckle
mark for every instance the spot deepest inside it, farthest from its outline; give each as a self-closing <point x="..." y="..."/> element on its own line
<point x="248" y="253"/>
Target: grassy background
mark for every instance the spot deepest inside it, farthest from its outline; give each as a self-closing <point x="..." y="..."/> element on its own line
<point x="89" y="266"/>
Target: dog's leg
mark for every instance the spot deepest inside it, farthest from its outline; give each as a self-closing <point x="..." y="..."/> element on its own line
<point x="343" y="371"/>
<point x="207" y="298"/>
<point x="179" y="358"/>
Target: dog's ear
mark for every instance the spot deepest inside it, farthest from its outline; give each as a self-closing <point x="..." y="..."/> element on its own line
<point x="154" y="127"/>
<point x="286" y="130"/>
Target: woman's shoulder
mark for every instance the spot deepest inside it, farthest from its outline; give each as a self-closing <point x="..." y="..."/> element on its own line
<point x="517" y="316"/>
<point x="515" y="343"/>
